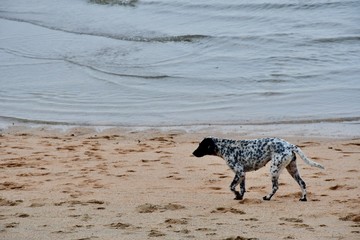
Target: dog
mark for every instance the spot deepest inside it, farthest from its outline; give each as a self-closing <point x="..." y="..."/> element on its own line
<point x="250" y="155"/>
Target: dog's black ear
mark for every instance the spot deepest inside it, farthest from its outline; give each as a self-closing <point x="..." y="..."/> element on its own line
<point x="206" y="147"/>
<point x="211" y="147"/>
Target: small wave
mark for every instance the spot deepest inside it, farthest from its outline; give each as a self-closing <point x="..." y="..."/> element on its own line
<point x="130" y="3"/>
<point x="6" y="121"/>
<point x="180" y="38"/>
<point x="160" y="76"/>
<point x="24" y="55"/>
<point x="275" y="78"/>
<point x="15" y="120"/>
<point x="250" y="6"/>
<point x="160" y="39"/>
<point x="310" y="121"/>
<point x="338" y="39"/>
<point x="352" y="120"/>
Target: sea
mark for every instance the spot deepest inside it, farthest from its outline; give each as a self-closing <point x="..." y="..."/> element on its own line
<point x="159" y="63"/>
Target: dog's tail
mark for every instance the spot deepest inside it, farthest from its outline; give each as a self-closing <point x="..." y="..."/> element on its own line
<point x="306" y="159"/>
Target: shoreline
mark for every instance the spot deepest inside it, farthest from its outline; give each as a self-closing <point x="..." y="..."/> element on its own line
<point x="145" y="184"/>
<point x="318" y="129"/>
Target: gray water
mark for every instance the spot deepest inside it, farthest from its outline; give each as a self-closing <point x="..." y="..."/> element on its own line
<point x="179" y="62"/>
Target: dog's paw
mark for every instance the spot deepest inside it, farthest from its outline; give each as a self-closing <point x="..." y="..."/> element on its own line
<point x="266" y="198"/>
<point x="303" y="199"/>
<point x="238" y="196"/>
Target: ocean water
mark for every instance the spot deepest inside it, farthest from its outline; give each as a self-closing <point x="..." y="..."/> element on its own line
<point x="179" y="62"/>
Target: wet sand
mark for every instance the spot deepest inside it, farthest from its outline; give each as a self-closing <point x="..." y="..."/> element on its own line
<point x="116" y="184"/>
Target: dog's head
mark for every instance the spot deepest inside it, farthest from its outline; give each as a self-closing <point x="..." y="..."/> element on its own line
<point x="206" y="147"/>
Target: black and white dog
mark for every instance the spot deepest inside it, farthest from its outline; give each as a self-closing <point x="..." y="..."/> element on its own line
<point x="249" y="155"/>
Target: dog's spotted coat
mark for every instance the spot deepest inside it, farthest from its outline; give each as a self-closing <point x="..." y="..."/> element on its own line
<point x="249" y="155"/>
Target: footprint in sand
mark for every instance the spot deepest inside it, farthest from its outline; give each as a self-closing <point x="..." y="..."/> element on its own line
<point x="351" y="217"/>
<point x="163" y="152"/>
<point x="22" y="148"/>
<point x="225" y="210"/>
<point x="13" y="162"/>
<point x="122" y="175"/>
<point x="11" y="185"/>
<point x="257" y="188"/>
<point x="150" y="160"/>
<point x="293" y="220"/>
<point x="22" y="215"/>
<point x="5" y="202"/>
<point x="107" y="137"/>
<point x="173" y="207"/>
<point x="30" y="174"/>
<point x="184" y="231"/>
<point x="73" y="203"/>
<point x="162" y="139"/>
<point x="127" y="151"/>
<point x="36" y="204"/>
<point x="250" y="201"/>
<point x="307" y="144"/>
<point x="330" y="180"/>
<point x="336" y="187"/>
<point x="120" y="225"/>
<point x="172" y="221"/>
<point x="205" y="229"/>
<point x="298" y="223"/>
<point x="67" y="148"/>
<point x="173" y="177"/>
<point x="149" y="208"/>
<point x="12" y="225"/>
<point x="240" y="238"/>
<point x="156" y="233"/>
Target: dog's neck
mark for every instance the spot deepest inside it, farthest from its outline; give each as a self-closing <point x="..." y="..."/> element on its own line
<point x="224" y="146"/>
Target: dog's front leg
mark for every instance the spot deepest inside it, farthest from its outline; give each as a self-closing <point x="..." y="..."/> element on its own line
<point x="238" y="179"/>
<point x="233" y="185"/>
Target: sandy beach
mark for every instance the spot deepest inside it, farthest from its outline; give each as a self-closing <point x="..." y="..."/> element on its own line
<point x="102" y="103"/>
<point x="116" y="184"/>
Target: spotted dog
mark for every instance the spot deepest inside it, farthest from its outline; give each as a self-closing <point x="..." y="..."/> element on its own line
<point x="250" y="155"/>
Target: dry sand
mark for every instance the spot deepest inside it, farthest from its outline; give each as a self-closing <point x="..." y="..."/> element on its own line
<point x="117" y="184"/>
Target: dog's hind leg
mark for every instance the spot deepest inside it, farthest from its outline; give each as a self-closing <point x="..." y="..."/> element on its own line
<point x="277" y="164"/>
<point x="293" y="171"/>
<point x="275" y="187"/>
